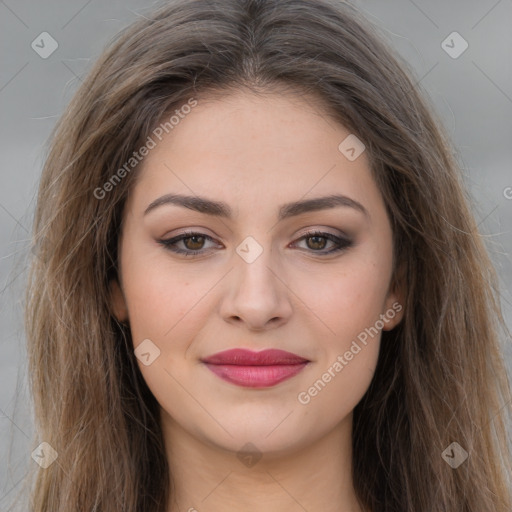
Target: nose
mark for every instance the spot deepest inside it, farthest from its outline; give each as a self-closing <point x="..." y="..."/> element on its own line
<point x="256" y="294"/>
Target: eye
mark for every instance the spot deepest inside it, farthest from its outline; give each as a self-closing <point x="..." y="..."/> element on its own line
<point x="192" y="241"/>
<point x="319" y="239"/>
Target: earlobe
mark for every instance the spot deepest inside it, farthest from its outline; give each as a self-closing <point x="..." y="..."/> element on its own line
<point x="394" y="312"/>
<point x="395" y="301"/>
<point x="118" y="302"/>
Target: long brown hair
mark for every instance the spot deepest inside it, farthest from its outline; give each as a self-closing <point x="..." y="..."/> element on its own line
<point x="440" y="378"/>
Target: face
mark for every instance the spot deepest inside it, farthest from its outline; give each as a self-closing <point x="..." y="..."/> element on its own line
<point x="268" y="268"/>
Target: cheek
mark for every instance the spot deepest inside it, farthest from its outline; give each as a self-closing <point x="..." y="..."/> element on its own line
<point x="163" y="303"/>
<point x="346" y="301"/>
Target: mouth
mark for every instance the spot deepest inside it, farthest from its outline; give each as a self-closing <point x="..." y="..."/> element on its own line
<point x="250" y="369"/>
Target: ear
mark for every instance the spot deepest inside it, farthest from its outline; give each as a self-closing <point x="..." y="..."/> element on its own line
<point x="395" y="300"/>
<point x="118" y="301"/>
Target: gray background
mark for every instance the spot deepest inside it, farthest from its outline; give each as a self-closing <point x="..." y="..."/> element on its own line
<point x="472" y="94"/>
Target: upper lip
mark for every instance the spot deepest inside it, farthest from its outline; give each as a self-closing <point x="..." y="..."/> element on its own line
<point x="244" y="357"/>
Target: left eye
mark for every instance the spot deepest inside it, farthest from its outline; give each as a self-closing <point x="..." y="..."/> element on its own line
<point x="320" y="238"/>
<point x="194" y="242"/>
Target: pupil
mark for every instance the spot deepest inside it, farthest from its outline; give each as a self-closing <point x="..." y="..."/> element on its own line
<point x="195" y="238"/>
<point x="318" y="238"/>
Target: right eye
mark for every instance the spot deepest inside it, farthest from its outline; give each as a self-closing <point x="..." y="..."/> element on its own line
<point x="192" y="239"/>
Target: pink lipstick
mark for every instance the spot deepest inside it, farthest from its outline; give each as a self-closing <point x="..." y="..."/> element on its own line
<point x="255" y="369"/>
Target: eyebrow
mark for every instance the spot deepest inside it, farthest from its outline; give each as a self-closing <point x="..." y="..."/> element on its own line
<point x="220" y="209"/>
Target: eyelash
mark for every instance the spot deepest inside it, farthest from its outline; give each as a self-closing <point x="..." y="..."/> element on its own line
<point x="341" y="243"/>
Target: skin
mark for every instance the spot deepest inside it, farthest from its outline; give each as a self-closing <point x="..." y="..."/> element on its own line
<point x="256" y="153"/>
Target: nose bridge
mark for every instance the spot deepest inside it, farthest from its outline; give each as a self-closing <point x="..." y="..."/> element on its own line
<point x="254" y="264"/>
<point x="256" y="294"/>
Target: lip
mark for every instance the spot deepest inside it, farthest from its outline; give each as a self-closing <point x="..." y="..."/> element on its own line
<point x="255" y="369"/>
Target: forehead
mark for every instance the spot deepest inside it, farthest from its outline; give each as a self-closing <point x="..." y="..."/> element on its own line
<point x="272" y="123"/>
<point x="254" y="149"/>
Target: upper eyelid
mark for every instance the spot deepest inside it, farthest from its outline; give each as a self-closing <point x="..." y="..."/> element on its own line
<point x="308" y="232"/>
<point x="328" y="230"/>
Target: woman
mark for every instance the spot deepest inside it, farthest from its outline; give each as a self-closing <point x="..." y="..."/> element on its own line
<point x="259" y="285"/>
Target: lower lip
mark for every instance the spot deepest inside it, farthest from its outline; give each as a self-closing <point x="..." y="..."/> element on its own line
<point x="256" y="376"/>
